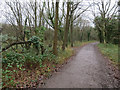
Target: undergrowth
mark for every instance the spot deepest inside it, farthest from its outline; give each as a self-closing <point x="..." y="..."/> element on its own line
<point x="24" y="69"/>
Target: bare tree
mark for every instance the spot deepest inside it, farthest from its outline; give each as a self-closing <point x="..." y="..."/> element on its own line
<point x="34" y="8"/>
<point x="75" y="7"/>
<point x="56" y="30"/>
<point x="106" y="10"/>
<point x="66" y="27"/>
<point x="16" y="8"/>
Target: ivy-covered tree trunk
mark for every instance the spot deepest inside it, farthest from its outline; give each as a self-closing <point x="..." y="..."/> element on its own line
<point x="104" y="35"/>
<point x="100" y="35"/>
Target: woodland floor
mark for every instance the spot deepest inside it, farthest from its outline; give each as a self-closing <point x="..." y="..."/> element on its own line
<point x="87" y="69"/>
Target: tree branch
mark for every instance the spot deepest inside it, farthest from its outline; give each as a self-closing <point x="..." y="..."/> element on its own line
<point x="25" y="42"/>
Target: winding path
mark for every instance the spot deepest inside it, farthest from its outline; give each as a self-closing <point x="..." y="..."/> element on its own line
<point x="88" y="69"/>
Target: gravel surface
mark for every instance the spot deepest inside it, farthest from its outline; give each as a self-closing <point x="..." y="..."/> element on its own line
<point x="88" y="69"/>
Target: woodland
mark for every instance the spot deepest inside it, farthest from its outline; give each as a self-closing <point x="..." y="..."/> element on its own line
<point x="39" y="36"/>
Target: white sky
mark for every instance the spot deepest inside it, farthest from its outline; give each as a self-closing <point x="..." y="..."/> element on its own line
<point x="87" y="15"/>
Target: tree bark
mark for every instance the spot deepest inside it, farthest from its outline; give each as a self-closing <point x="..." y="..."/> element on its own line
<point x="16" y="43"/>
<point x="66" y="27"/>
<point x="56" y="30"/>
<point x="35" y="13"/>
<point x="71" y="31"/>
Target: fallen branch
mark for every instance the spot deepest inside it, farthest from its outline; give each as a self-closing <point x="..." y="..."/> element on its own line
<point x="25" y="42"/>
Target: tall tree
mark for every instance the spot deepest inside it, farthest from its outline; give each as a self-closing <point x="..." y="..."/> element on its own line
<point x="71" y="24"/>
<point x="35" y="13"/>
<point x="107" y="11"/>
<point x="66" y="27"/>
<point x="75" y="7"/>
<point x="16" y="8"/>
<point x="56" y="30"/>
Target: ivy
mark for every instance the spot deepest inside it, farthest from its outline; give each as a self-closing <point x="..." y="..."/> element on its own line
<point x="35" y="41"/>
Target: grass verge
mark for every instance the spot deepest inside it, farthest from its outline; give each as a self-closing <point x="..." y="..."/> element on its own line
<point x="109" y="50"/>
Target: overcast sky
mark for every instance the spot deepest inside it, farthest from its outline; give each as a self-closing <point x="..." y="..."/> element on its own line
<point x="87" y="15"/>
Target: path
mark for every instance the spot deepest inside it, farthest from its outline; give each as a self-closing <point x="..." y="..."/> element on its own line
<point x="88" y="69"/>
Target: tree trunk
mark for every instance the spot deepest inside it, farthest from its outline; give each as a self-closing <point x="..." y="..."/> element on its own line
<point x="66" y="27"/>
<point x="88" y="34"/>
<point x="40" y="20"/>
<point x="56" y="30"/>
<point x="104" y="36"/>
<point x="35" y="12"/>
<point x="71" y="30"/>
<point x="100" y="35"/>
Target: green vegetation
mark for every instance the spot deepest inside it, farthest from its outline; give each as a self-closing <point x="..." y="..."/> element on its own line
<point x="110" y="34"/>
<point x="38" y="37"/>
<point x="77" y="43"/>
<point x="25" y="68"/>
<point x="110" y="50"/>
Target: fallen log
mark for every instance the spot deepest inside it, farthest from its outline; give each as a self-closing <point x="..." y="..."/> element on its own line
<point x="15" y="43"/>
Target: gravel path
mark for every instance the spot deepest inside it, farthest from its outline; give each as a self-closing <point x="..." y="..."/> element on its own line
<point x="88" y="69"/>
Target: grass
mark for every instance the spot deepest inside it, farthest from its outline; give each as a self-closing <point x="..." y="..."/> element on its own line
<point x="63" y="55"/>
<point x="111" y="51"/>
<point x="77" y="43"/>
